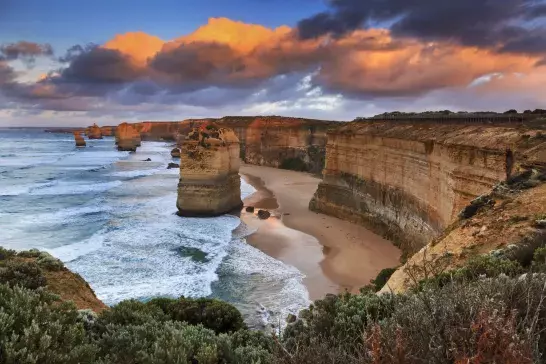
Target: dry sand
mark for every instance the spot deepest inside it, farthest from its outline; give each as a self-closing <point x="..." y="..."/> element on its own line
<point x="334" y="255"/>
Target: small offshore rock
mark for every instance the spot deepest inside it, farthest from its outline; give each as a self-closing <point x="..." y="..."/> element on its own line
<point x="540" y="223"/>
<point x="173" y="165"/>
<point x="175" y="153"/>
<point x="264" y="214"/>
<point x="249" y="209"/>
<point x="147" y="160"/>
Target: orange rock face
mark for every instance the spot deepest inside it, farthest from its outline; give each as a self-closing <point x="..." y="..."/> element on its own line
<point x="78" y="138"/>
<point x="94" y="132"/>
<point x="127" y="137"/>
<point x="409" y="181"/>
<point x="209" y="184"/>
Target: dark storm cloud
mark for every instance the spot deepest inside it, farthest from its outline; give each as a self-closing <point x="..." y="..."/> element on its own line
<point x="470" y="22"/>
<point x="27" y="52"/>
<point x="99" y="65"/>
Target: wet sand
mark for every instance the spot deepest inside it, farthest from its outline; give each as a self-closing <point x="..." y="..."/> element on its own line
<point x="334" y="255"/>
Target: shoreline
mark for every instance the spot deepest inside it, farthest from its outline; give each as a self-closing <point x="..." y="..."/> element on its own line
<point x="334" y="255"/>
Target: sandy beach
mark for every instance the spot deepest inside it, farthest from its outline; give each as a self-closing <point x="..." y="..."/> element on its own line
<point x="334" y="255"/>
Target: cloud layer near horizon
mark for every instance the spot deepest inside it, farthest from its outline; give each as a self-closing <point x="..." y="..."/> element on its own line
<point x="232" y="67"/>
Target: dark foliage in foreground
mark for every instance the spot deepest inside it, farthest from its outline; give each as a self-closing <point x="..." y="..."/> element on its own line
<point x="486" y="312"/>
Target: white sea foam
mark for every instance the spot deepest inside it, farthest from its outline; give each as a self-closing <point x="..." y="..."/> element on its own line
<point x="73" y="188"/>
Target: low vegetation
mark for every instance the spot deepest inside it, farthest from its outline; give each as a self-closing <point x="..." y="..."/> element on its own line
<point x="493" y="310"/>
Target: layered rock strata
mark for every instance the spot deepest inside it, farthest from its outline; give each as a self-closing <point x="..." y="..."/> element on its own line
<point x="409" y="181"/>
<point x="209" y="173"/>
<point x="94" y="132"/>
<point x="127" y="137"/>
<point x="78" y="138"/>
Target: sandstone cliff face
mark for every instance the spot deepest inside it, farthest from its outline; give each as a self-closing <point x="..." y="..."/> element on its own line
<point x="209" y="173"/>
<point x="408" y="181"/>
<point x="127" y="137"/>
<point x="94" y="132"/>
<point x="80" y="142"/>
<point x="281" y="142"/>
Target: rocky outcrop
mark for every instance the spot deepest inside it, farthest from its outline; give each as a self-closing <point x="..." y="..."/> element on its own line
<point x="94" y="132"/>
<point x="508" y="225"/>
<point x="78" y="138"/>
<point x="175" y="153"/>
<point x="407" y="180"/>
<point x="209" y="173"/>
<point x="127" y="137"/>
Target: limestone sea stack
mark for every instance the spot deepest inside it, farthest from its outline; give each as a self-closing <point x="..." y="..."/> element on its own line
<point x="127" y="137"/>
<point x="80" y="142"/>
<point x="94" y="132"/>
<point x="209" y="173"/>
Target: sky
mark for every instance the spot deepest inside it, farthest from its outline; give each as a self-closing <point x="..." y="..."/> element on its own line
<point x="75" y="63"/>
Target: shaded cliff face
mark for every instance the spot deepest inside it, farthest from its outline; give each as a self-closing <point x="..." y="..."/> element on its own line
<point x="280" y="142"/>
<point x="94" y="132"/>
<point x="409" y="181"/>
<point x="78" y="138"/>
<point x="127" y="137"/>
<point x="209" y="173"/>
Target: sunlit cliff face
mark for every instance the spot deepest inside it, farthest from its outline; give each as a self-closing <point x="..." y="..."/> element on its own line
<point x="230" y="65"/>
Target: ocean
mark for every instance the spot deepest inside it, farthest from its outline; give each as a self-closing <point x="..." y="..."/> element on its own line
<point x="110" y="216"/>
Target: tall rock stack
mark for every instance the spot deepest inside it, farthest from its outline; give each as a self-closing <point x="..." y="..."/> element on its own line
<point x="209" y="173"/>
<point x="94" y="132"/>
<point x="127" y="137"/>
<point x="80" y="142"/>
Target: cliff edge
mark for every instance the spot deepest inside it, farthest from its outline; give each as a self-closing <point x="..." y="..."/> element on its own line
<point x="408" y="180"/>
<point x="209" y="172"/>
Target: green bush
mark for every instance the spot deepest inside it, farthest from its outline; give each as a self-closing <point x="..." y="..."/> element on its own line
<point x="32" y="253"/>
<point x="36" y="328"/>
<point x="20" y="273"/>
<point x="130" y="312"/>
<point x="6" y="253"/>
<point x="212" y="314"/>
<point x="49" y="262"/>
<point x="382" y="278"/>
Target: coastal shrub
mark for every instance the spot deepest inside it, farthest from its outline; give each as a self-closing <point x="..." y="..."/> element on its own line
<point x="6" y="253"/>
<point x="294" y="164"/>
<point x="130" y="312"/>
<point x="21" y="273"/>
<point x="36" y="328"/>
<point x="49" y="262"/>
<point x="382" y="278"/>
<point x="213" y="314"/>
<point x="478" y="267"/>
<point x="32" y="253"/>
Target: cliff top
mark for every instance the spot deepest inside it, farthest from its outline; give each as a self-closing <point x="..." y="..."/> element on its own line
<point x="497" y="137"/>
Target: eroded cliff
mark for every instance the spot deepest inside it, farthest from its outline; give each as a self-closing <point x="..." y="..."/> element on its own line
<point x="209" y="173"/>
<point x="78" y="139"/>
<point x="274" y="141"/>
<point x="409" y="180"/>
